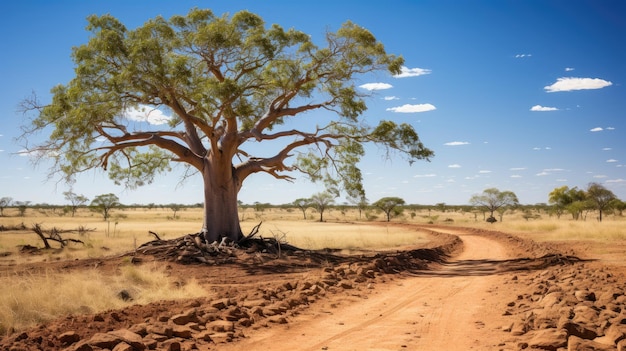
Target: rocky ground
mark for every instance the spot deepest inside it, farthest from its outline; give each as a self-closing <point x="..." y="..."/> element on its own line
<point x="469" y="289"/>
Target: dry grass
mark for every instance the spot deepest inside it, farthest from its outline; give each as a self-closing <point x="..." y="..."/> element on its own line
<point x="29" y="300"/>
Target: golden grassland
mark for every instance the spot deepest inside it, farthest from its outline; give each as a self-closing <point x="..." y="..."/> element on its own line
<point x="27" y="300"/>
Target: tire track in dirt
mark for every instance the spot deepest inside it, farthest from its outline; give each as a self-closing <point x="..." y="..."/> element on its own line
<point x="442" y="309"/>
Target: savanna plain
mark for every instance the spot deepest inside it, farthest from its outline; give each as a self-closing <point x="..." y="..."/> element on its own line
<point x="427" y="280"/>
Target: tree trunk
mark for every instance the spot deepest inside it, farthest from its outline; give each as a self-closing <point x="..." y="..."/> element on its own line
<point x="221" y="218"/>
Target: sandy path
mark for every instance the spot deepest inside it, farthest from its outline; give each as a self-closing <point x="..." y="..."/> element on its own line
<point x="446" y="309"/>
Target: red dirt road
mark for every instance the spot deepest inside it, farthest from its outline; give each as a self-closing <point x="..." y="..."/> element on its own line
<point x="445" y="309"/>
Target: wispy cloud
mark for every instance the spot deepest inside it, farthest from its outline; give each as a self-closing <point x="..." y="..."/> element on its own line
<point x="523" y="55"/>
<point x="408" y="108"/>
<point x="412" y="72"/>
<point x="599" y="176"/>
<point x="611" y="160"/>
<point x="454" y="166"/>
<point x="389" y="98"/>
<point x="616" y="181"/>
<point x="429" y="175"/>
<point x="484" y="171"/>
<point x="517" y="169"/>
<point x="147" y="114"/>
<point x="456" y="143"/>
<point x="607" y="149"/>
<point x="596" y="129"/>
<point x="543" y="108"/>
<point x="610" y="128"/>
<point x="569" y="69"/>
<point x="376" y="86"/>
<point x="516" y="176"/>
<point x="572" y="83"/>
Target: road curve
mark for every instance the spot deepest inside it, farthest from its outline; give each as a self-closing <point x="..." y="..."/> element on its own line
<point x="445" y="309"/>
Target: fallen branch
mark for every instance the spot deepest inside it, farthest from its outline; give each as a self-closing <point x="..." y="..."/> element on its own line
<point x="54" y="234"/>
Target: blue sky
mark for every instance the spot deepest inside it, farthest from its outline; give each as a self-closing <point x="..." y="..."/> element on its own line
<point x="523" y="96"/>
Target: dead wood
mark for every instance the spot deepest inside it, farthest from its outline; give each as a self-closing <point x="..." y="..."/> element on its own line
<point x="54" y="234"/>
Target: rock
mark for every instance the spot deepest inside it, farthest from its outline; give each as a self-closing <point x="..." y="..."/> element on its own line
<point x="182" y="331"/>
<point x="613" y="335"/>
<point x="584" y="295"/>
<point x="577" y="344"/>
<point x="548" y="339"/>
<point x="123" y="347"/>
<point x="69" y="338"/>
<point x="220" y="338"/>
<point x="220" y="326"/>
<point x="135" y="340"/>
<point x="221" y="303"/>
<point x="160" y="329"/>
<point x="579" y="331"/>
<point x="185" y="317"/>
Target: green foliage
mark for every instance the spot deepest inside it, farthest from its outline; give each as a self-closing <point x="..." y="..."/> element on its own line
<point x="104" y="203"/>
<point x="225" y="83"/>
<point x="493" y="199"/>
<point x="391" y="206"/>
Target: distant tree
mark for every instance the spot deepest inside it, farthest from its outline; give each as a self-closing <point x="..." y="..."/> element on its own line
<point x="321" y="201"/>
<point x="175" y="208"/>
<point x="390" y="205"/>
<point x="601" y="197"/>
<point x="360" y="202"/>
<point x="493" y="199"/>
<point x="303" y="205"/>
<point x="618" y="205"/>
<point x="76" y="201"/>
<point x="104" y="203"/>
<point x="22" y="206"/>
<point x="4" y="203"/>
<point x="441" y="206"/>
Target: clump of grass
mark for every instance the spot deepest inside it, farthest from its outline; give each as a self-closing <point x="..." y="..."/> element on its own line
<point x="29" y="300"/>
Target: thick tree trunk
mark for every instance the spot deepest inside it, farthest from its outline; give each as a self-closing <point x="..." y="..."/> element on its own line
<point x="221" y="217"/>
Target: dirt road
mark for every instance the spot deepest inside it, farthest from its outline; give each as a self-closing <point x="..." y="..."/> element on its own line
<point x="445" y="309"/>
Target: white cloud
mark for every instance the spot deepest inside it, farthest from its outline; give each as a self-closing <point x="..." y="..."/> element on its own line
<point x="456" y="143"/>
<point x="376" y="86"/>
<point x="522" y="55"/>
<point x="553" y="170"/>
<point x="517" y="169"/>
<point x="543" y="108"/>
<point x="516" y="176"/>
<point x="610" y="128"/>
<point x="572" y="83"/>
<point x="408" y="108"/>
<point x="484" y="171"/>
<point x="599" y="176"/>
<point x="429" y="175"/>
<point x="569" y="69"/>
<point x="454" y="166"/>
<point x="607" y="149"/>
<point x="611" y="160"/>
<point x="562" y="180"/>
<point x="389" y="98"/>
<point x="596" y="129"/>
<point x="541" y="174"/>
<point x="412" y="72"/>
<point x="147" y="114"/>
<point x="616" y="180"/>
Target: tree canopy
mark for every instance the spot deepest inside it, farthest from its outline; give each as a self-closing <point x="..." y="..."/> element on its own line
<point x="493" y="199"/>
<point x="390" y="205"/>
<point x="220" y="85"/>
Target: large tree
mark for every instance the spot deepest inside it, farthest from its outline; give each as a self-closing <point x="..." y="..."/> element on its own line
<point x="228" y="82"/>
<point x="493" y="199"/>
